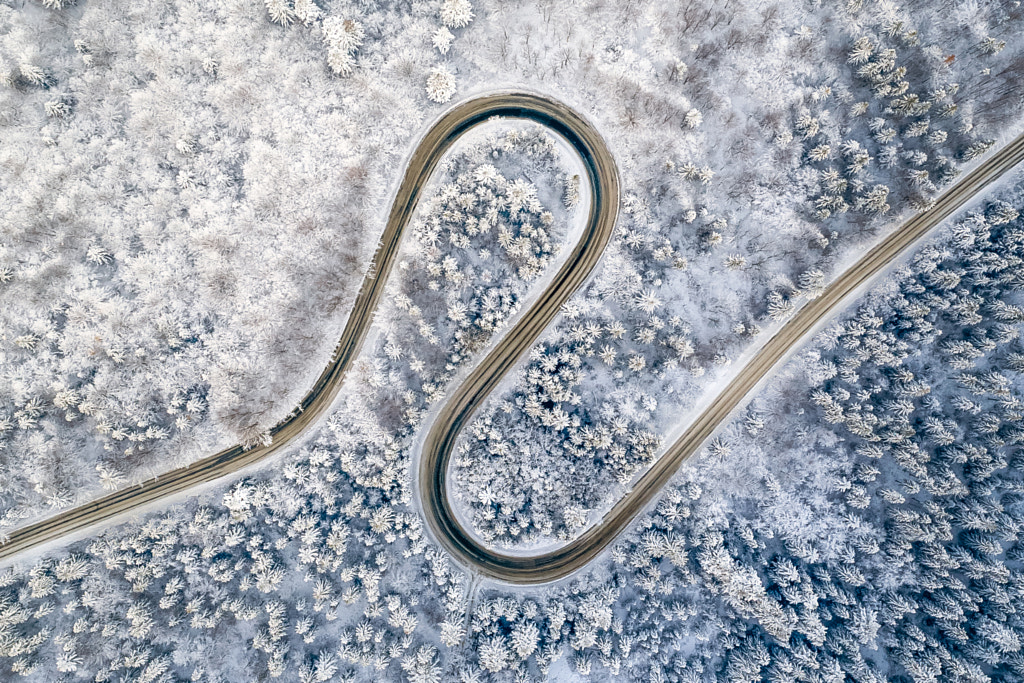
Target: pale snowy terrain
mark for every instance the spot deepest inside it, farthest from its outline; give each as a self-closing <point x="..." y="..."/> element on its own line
<point x="192" y="194"/>
<point x="187" y="220"/>
<point x="181" y="242"/>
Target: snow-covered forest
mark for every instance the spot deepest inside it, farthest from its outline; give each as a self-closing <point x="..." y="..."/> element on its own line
<point x="186" y="222"/>
<point x="860" y="520"/>
<point x="713" y="248"/>
<point x="191" y="196"/>
<point x="181" y="242"/>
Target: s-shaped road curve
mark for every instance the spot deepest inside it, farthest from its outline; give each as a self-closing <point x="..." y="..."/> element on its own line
<point x="559" y="563"/>
<point x="458" y="409"/>
<point x="604" y="186"/>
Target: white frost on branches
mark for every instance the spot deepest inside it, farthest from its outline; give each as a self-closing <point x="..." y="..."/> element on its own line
<point x="280" y="11"/>
<point x="306" y="11"/>
<point x="440" y="85"/>
<point x="342" y="37"/>
<point x="456" y="13"/>
<point x="443" y="40"/>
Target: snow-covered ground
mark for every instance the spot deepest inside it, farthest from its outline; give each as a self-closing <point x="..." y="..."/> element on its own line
<point x="187" y="221"/>
<point x="184" y="228"/>
<point x="204" y="184"/>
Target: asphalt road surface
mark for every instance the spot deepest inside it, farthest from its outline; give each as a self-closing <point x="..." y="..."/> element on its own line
<point x="459" y="408"/>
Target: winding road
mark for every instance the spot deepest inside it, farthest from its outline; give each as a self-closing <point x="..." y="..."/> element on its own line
<point x="455" y="413"/>
<point x="437" y="140"/>
<point x="559" y="563"/>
